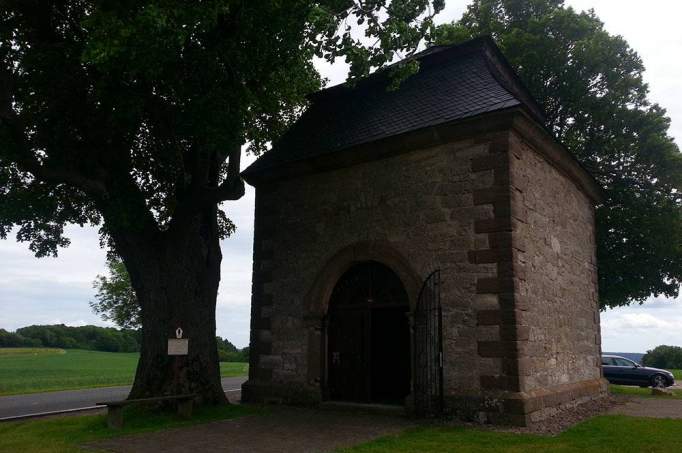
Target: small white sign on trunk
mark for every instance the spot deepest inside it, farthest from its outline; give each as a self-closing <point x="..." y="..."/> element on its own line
<point x="178" y="345"/>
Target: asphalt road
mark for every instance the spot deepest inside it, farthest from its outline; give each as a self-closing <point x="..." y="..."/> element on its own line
<point x="16" y="405"/>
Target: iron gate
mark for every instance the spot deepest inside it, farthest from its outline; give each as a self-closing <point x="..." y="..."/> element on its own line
<point x="428" y="349"/>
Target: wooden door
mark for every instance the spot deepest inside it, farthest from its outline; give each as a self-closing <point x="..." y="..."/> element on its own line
<point x="347" y="357"/>
<point x="368" y="347"/>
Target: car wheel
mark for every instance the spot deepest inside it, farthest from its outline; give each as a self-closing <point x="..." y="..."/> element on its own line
<point x="658" y="380"/>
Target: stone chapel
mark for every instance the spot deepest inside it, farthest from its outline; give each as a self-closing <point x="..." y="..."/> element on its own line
<point x="430" y="247"/>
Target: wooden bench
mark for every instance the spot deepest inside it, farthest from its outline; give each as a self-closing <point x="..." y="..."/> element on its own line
<point x="115" y="408"/>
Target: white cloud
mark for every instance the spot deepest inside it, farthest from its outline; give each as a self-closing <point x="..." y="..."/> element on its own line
<point x="638" y="321"/>
<point x="638" y="328"/>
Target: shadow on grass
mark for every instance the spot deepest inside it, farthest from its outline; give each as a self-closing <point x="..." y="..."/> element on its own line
<point x="612" y="433"/>
<point x="67" y="434"/>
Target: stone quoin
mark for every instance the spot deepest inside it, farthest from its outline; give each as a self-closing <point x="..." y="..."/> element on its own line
<point x="371" y="191"/>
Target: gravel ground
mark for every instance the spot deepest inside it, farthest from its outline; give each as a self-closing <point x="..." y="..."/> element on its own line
<point x="612" y="405"/>
<point x="284" y="429"/>
<point x="313" y="431"/>
<point x="649" y="407"/>
<point x="570" y="416"/>
<point x="563" y="420"/>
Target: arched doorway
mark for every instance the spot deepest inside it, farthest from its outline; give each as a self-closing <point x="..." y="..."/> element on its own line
<point x="368" y="336"/>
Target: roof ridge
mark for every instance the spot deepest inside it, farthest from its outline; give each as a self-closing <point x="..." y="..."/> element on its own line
<point x="462" y="48"/>
<point x="453" y="83"/>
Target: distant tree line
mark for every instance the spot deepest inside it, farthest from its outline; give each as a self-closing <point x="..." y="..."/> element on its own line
<point x="664" y="357"/>
<point x="94" y="338"/>
<point x="115" y="301"/>
<point x="227" y="352"/>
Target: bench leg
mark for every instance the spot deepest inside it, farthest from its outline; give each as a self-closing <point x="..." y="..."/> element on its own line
<point x="115" y="417"/>
<point x="185" y="408"/>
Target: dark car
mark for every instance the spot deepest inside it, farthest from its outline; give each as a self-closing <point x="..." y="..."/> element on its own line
<point x="619" y="370"/>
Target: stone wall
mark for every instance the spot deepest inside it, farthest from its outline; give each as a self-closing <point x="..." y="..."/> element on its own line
<point x="512" y="235"/>
<point x="417" y="204"/>
<point x="556" y="250"/>
<point x="555" y="271"/>
<point x="539" y="327"/>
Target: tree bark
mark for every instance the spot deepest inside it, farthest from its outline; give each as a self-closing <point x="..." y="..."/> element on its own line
<point x="176" y="275"/>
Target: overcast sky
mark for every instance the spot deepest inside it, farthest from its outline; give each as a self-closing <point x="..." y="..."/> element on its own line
<point x="57" y="290"/>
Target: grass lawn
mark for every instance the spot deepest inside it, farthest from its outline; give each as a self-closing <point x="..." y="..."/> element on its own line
<point x="66" y="434"/>
<point x="677" y="374"/>
<point x="642" y="392"/>
<point x="231" y="369"/>
<point x="25" y="370"/>
<point x="601" y="434"/>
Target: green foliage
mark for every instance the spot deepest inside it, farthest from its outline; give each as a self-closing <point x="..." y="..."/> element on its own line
<point x="84" y="337"/>
<point x="134" y="113"/>
<point x="131" y="115"/>
<point x="14" y="340"/>
<point x="590" y="84"/>
<point x="95" y="338"/>
<point x="666" y="357"/>
<point x="115" y="299"/>
<point x="227" y="352"/>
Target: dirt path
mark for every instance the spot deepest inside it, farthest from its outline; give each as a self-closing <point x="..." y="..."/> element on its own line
<point x="649" y="407"/>
<point x="283" y="430"/>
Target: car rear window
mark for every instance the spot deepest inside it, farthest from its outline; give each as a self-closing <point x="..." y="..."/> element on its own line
<point x="607" y="361"/>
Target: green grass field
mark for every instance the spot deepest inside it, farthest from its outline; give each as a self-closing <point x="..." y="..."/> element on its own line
<point x="68" y="434"/>
<point x="641" y="392"/>
<point x="599" y="435"/>
<point x="25" y="370"/>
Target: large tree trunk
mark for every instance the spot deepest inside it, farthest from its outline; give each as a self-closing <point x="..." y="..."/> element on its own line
<point x="176" y="279"/>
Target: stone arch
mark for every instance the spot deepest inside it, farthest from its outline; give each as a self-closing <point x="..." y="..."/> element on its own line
<point x="317" y="299"/>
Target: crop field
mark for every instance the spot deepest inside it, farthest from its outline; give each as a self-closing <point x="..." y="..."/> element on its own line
<point x="30" y="351"/>
<point x="27" y="370"/>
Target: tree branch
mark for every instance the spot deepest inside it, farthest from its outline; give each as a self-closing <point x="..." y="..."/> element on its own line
<point x="20" y="153"/>
<point x="197" y="198"/>
<point x="27" y="161"/>
<point x="232" y="188"/>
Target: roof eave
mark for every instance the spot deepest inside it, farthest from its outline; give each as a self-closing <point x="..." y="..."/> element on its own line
<point x="558" y="154"/>
<point x="387" y="146"/>
<point x="515" y="118"/>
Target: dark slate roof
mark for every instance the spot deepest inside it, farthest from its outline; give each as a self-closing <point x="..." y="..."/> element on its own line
<point x="453" y="83"/>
